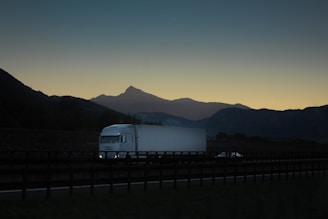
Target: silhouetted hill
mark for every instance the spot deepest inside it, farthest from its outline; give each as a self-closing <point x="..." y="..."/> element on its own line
<point x="15" y="91"/>
<point x="23" y="107"/>
<point x="134" y="101"/>
<point x="20" y="105"/>
<point x="310" y="123"/>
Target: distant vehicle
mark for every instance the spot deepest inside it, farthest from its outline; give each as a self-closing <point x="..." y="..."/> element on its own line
<point x="229" y="155"/>
<point x="129" y="141"/>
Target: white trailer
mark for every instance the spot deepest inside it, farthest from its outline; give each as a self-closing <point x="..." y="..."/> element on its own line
<point x="127" y="140"/>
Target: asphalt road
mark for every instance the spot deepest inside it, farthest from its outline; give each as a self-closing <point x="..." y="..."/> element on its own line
<point x="65" y="191"/>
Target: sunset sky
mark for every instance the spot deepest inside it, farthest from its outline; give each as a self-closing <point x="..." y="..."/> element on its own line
<point x="263" y="54"/>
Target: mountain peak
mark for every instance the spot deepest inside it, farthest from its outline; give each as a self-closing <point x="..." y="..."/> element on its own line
<point x="132" y="89"/>
<point x="135" y="95"/>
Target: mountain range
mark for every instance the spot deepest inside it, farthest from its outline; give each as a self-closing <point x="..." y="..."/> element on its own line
<point x="134" y="101"/>
<point x="23" y="107"/>
<point x="310" y="123"/>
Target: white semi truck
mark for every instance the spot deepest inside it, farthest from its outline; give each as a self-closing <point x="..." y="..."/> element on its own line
<point x="127" y="140"/>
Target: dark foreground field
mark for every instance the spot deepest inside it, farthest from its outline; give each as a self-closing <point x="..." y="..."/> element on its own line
<point x="300" y="198"/>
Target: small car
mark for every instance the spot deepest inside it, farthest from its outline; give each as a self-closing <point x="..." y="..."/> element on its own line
<point x="229" y="155"/>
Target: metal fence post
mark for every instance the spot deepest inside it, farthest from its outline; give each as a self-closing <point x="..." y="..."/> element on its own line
<point x="287" y="168"/>
<point x="254" y="172"/>
<point x="110" y="177"/>
<point x="11" y="158"/>
<point x="263" y="167"/>
<point x="92" y="172"/>
<point x="70" y="173"/>
<point x="49" y="175"/>
<point x="294" y="168"/>
<point x="25" y="172"/>
<point x="279" y="167"/>
<point x="160" y="176"/>
<point x="235" y="173"/>
<point x="129" y="177"/>
<point x="175" y="174"/>
<point x="245" y="172"/>
<point x="224" y="171"/>
<point x="201" y="174"/>
<point x="189" y="172"/>
<point x="324" y="164"/>
<point x="271" y="168"/>
<point x="145" y="177"/>
<point x="213" y="171"/>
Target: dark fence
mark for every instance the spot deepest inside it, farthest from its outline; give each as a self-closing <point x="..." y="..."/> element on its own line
<point x="27" y="172"/>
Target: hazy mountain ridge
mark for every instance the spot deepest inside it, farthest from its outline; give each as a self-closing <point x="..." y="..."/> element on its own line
<point x="134" y="101"/>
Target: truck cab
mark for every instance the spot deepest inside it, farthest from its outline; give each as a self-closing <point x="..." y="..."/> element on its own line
<point x="116" y="141"/>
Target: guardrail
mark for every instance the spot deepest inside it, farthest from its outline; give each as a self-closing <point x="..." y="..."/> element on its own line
<point x="26" y="171"/>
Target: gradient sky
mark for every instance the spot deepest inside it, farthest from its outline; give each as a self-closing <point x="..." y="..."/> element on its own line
<point x="264" y="54"/>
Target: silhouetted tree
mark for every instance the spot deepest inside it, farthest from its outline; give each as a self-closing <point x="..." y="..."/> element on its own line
<point x="221" y="135"/>
<point x="239" y="136"/>
<point x="153" y="123"/>
<point x="132" y="119"/>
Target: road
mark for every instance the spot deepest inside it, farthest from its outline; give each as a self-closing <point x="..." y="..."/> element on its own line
<point x="64" y="191"/>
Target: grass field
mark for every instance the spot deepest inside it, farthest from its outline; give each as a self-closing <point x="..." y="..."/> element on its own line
<point x="301" y="198"/>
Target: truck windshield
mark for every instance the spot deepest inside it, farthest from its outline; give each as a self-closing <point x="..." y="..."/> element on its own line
<point x="109" y="139"/>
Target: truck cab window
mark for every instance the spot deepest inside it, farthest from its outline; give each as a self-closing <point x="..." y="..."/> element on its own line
<point x="109" y="139"/>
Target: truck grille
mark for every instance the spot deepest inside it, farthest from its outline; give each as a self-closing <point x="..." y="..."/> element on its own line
<point x="108" y="148"/>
